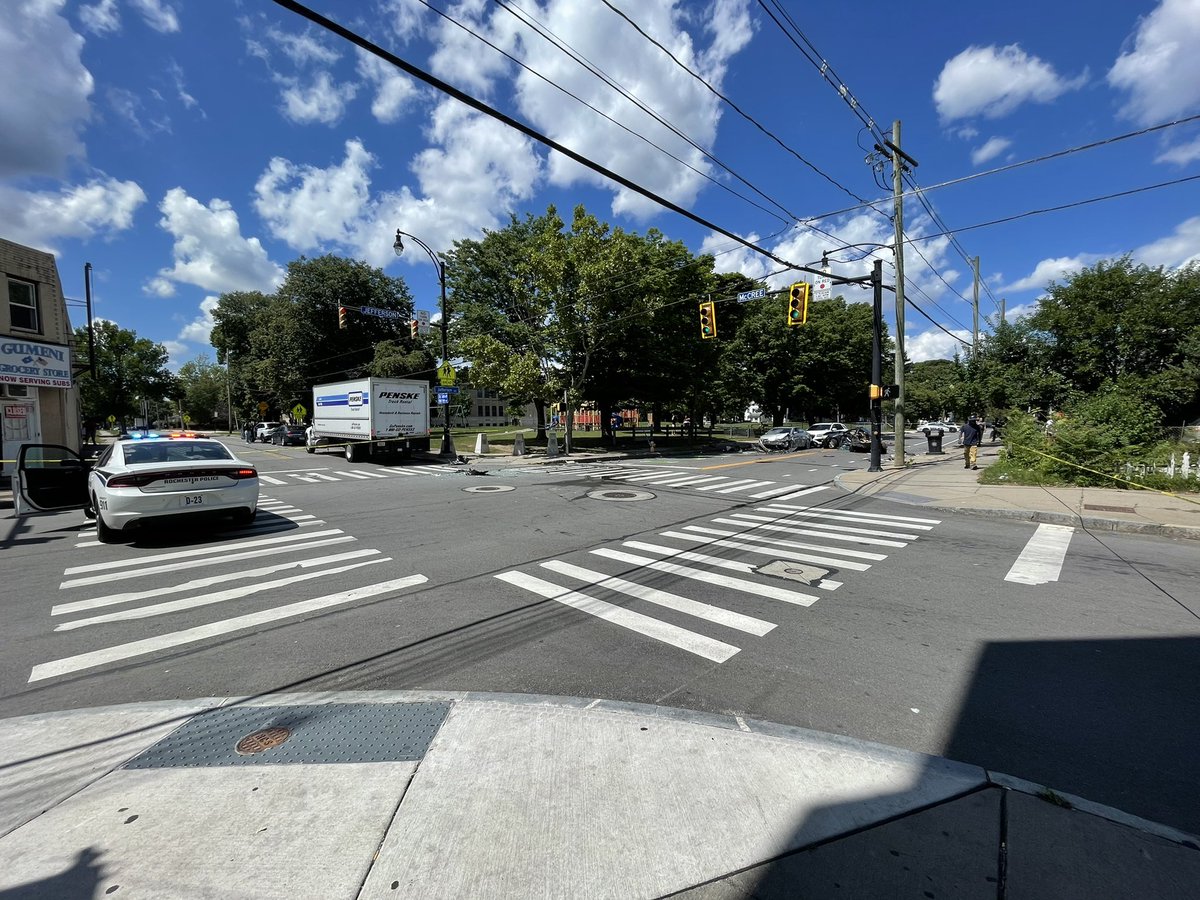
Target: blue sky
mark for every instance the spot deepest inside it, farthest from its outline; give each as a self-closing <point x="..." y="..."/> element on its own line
<point x="188" y="149"/>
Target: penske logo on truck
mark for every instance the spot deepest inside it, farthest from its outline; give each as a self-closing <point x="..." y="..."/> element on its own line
<point x="399" y="395"/>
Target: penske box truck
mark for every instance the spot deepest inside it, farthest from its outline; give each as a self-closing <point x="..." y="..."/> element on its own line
<point x="370" y="417"/>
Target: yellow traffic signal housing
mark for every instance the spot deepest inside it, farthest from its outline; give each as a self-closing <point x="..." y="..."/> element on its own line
<point x="708" y="320"/>
<point x="797" y="311"/>
<point x="875" y="392"/>
<point x="341" y="317"/>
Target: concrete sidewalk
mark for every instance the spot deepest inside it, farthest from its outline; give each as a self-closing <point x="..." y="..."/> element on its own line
<point x="942" y="482"/>
<point x="431" y="795"/>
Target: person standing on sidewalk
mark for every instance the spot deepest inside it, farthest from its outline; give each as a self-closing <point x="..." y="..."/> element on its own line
<point x="972" y="437"/>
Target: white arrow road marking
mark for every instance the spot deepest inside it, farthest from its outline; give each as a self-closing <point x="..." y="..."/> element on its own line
<point x="204" y="632"/>
<point x="1042" y="559"/>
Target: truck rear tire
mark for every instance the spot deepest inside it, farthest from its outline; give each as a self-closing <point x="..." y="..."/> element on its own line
<point x="352" y="452"/>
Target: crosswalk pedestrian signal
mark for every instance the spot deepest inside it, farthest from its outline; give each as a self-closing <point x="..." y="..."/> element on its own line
<point x="341" y="317"/>
<point x="708" y="320"/>
<point x="797" y="311"/>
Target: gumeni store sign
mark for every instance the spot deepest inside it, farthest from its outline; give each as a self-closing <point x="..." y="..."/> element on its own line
<point x="40" y="365"/>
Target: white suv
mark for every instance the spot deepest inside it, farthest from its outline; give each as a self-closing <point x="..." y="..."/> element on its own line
<point x="822" y="431"/>
<point x="262" y="431"/>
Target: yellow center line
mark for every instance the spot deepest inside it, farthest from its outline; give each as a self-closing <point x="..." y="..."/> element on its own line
<point x="752" y="462"/>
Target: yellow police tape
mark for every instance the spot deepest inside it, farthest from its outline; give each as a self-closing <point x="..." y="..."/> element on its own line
<point x="1134" y="484"/>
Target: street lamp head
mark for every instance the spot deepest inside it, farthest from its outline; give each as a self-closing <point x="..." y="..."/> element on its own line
<point x="399" y="245"/>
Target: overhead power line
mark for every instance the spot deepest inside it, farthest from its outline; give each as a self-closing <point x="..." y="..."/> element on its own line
<point x="788" y="215"/>
<point x="547" y="35"/>
<point x="421" y="75"/>
<point x="1060" y="207"/>
<point x="749" y="118"/>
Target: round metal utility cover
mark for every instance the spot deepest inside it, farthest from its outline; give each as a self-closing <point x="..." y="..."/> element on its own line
<point x="489" y="489"/>
<point x="258" y="741"/>
<point x="620" y="496"/>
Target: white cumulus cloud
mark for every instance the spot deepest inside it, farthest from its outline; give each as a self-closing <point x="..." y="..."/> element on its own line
<point x="1176" y="250"/>
<point x="993" y="81"/>
<point x="199" y="330"/>
<point x="1181" y="154"/>
<point x="1161" y="72"/>
<point x="990" y="149"/>
<point x="1048" y="270"/>
<point x="38" y="218"/>
<point x="936" y="344"/>
<point x="648" y="74"/>
<point x="308" y="206"/>
<point x="159" y="15"/>
<point x="209" y="250"/>
<point x="40" y="52"/>
<point x="319" y="101"/>
<point x="394" y="91"/>
<point x="100" y="18"/>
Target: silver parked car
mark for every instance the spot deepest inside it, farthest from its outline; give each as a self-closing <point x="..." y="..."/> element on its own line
<point x="785" y="438"/>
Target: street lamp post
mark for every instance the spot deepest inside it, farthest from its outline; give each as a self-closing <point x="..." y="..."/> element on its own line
<point x="447" y="450"/>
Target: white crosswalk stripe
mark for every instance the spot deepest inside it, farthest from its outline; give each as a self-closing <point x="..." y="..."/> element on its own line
<point x="740" y="486"/>
<point x="812" y="532"/>
<point x="269" y="480"/>
<point x="168" y="592"/>
<point x="771" y="493"/>
<point x="774" y="545"/>
<point x="709" y="648"/>
<point x="705" y="611"/>
<point x="146" y="646"/>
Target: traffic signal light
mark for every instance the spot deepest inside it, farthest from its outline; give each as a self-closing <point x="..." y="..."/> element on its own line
<point x="708" y="320"/>
<point x="797" y="311"/>
<point x="414" y="327"/>
<point x="341" y="317"/>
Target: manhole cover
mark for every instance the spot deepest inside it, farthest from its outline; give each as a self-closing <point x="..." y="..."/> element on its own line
<point x="258" y="741"/>
<point x="621" y="496"/>
<point x="489" y="489"/>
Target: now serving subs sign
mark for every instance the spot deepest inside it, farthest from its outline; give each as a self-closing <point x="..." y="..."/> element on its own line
<point x="40" y="365"/>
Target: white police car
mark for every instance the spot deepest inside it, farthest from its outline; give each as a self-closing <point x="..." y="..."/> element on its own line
<point x="141" y="480"/>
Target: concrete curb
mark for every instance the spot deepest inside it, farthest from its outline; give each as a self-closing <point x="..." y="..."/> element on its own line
<point x="725" y="722"/>
<point x="1091" y="523"/>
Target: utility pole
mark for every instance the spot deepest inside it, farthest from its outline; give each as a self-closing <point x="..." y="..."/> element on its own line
<point x="877" y="367"/>
<point x="1002" y="302"/>
<point x="898" y="158"/>
<point x="975" y="309"/>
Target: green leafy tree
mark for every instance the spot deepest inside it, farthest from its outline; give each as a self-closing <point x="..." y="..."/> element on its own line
<point x="126" y="371"/>
<point x="933" y="388"/>
<point x="502" y="308"/>
<point x="1132" y="325"/>
<point x="281" y="344"/>
<point x="202" y="385"/>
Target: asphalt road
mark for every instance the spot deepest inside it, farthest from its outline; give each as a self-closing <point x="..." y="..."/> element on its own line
<point x="875" y="620"/>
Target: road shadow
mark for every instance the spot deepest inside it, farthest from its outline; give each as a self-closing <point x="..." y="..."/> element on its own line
<point x="1115" y="721"/>
<point x="79" y="881"/>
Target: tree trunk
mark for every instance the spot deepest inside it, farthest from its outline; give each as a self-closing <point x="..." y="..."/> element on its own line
<point x="539" y="406"/>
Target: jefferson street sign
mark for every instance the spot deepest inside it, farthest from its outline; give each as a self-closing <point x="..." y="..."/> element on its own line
<point x="382" y="313"/>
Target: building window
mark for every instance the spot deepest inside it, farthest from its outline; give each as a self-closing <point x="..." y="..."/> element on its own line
<point x="22" y="305"/>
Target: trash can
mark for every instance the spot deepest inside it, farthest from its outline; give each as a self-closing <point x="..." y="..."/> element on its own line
<point x="934" y="439"/>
